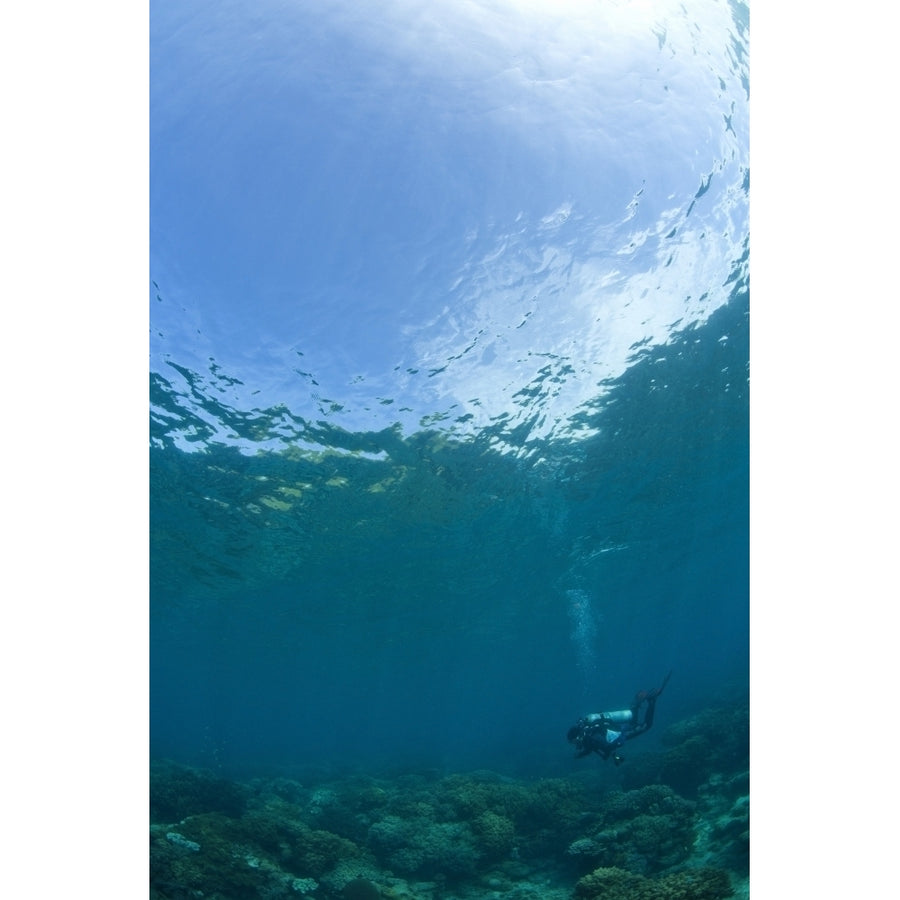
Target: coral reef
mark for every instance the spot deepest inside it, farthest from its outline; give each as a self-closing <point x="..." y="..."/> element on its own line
<point x="709" y="743"/>
<point x="617" y="884"/>
<point x="425" y="848"/>
<point x="495" y="835"/>
<point x="723" y="837"/>
<point x="643" y="831"/>
<point x="178" y="791"/>
<point x="427" y="835"/>
<point x="260" y="854"/>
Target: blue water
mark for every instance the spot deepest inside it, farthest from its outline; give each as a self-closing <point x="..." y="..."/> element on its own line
<point x="372" y="598"/>
<point x="449" y="447"/>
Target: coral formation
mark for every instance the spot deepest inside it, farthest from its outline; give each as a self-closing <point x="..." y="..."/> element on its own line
<point x="698" y="748"/>
<point x="723" y="837"/>
<point x="643" y="831"/>
<point x="424" y="848"/>
<point x="495" y="835"/>
<point x="178" y="791"/>
<point x="617" y="884"/>
<point x="427" y="835"/>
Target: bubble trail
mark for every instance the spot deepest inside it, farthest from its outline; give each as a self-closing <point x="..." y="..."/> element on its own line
<point x="584" y="630"/>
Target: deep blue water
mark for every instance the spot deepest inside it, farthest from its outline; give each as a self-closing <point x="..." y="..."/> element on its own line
<point x="428" y="598"/>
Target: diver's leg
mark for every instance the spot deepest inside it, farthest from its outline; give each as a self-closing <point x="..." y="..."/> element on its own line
<point x="651" y="709"/>
<point x="652" y="697"/>
<point x="661" y="688"/>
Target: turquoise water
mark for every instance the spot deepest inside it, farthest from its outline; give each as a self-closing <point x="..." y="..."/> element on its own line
<point x="377" y="643"/>
<point x="369" y="596"/>
<point x="449" y="446"/>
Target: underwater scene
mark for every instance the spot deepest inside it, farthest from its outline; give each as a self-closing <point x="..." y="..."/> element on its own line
<point x="449" y="450"/>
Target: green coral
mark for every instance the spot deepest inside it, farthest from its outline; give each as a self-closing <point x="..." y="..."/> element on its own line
<point x="258" y="854"/>
<point x="316" y="851"/>
<point x="555" y="803"/>
<point x="644" y="831"/>
<point x="543" y="802"/>
<point x="350" y="808"/>
<point x="612" y="883"/>
<point x="218" y="869"/>
<point x="704" y="883"/>
<point x="425" y="848"/>
<point x="495" y="835"/>
<point x="280" y="838"/>
<point x="715" y="740"/>
<point x="726" y="813"/>
<point x="712" y="742"/>
<point x="468" y="796"/>
<point x="652" y="799"/>
<point x="609" y="882"/>
<point x="178" y="791"/>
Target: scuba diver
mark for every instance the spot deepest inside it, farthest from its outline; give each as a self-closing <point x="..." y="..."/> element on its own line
<point x="605" y="732"/>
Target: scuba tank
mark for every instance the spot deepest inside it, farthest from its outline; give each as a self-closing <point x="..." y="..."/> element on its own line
<point x="619" y="717"/>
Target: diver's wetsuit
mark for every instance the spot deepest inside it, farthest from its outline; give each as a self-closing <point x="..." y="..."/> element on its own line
<point x="602" y="733"/>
